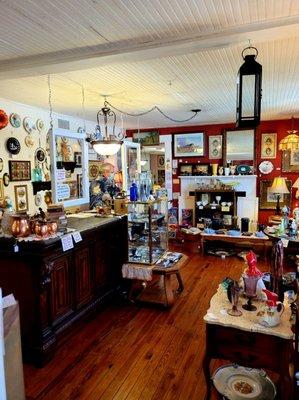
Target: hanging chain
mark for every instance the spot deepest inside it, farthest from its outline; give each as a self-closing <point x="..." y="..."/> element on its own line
<point x="50" y="103"/>
<point x="83" y="108"/>
<point x="106" y="103"/>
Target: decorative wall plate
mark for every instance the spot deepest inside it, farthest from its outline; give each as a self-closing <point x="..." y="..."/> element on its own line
<point x="29" y="141"/>
<point x="29" y="125"/>
<point x="40" y="125"/>
<point x="243" y="169"/>
<point x="3" y="119"/>
<point x="266" y="167"/>
<point x="6" y="179"/>
<point x="38" y="199"/>
<point x="13" y="145"/>
<point x="15" y="120"/>
<point x="1" y="164"/>
<point x="40" y="155"/>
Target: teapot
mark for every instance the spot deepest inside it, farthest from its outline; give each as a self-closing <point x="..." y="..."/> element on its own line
<point x="271" y="313"/>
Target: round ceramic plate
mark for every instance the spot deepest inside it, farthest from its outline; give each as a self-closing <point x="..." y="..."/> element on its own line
<point x="1" y="164"/>
<point x="15" y="120"/>
<point x="40" y="125"/>
<point x="40" y="155"/>
<point x="6" y="179"/>
<point x="29" y="125"/>
<point x="13" y="145"/>
<point x="38" y="199"/>
<point x="29" y="141"/>
<point x="3" y="119"/>
<point x="243" y="169"/>
<point x="266" y="167"/>
<point x="240" y="383"/>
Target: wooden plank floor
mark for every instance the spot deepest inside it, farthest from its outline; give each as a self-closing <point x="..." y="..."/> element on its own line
<point x="145" y="353"/>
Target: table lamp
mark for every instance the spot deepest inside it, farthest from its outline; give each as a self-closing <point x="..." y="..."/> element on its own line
<point x="279" y="188"/>
<point x="296" y="185"/>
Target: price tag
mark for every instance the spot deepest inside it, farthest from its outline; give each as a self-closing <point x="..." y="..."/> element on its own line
<point x="200" y="207"/>
<point x="77" y="236"/>
<point x="213" y="208"/>
<point x="224" y="208"/>
<point x="285" y="242"/>
<point x="16" y="248"/>
<point x="67" y="242"/>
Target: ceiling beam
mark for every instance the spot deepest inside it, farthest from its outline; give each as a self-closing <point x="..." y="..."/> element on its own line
<point x="138" y="50"/>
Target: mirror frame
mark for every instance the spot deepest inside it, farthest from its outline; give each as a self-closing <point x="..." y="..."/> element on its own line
<point x="224" y="145"/>
<point x="128" y="144"/>
<point x="85" y="183"/>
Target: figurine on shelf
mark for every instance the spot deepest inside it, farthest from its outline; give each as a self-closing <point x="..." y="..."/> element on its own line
<point x="270" y="315"/>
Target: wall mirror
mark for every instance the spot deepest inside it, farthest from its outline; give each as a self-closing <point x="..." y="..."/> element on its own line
<point x="130" y="160"/>
<point x="238" y="145"/>
<point x="69" y="166"/>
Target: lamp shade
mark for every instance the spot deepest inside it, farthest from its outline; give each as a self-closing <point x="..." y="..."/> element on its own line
<point x="106" y="147"/>
<point x="279" y="186"/>
<point x="290" y="142"/>
<point x="296" y="184"/>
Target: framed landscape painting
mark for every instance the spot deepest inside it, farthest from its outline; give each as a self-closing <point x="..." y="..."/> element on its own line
<point x="188" y="144"/>
<point x="268" y="200"/>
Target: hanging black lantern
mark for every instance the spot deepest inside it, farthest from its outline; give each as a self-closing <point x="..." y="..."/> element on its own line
<point x="249" y="91"/>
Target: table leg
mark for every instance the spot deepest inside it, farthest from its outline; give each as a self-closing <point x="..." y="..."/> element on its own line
<point x="286" y="382"/>
<point x="168" y="291"/>
<point x="181" y="284"/>
<point x="206" y="371"/>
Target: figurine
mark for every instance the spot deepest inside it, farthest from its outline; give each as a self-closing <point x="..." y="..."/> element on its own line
<point x="251" y="276"/>
<point x="270" y="315"/>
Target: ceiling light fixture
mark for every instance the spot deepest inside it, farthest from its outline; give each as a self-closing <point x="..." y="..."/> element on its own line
<point x="291" y="141"/>
<point x="249" y="91"/>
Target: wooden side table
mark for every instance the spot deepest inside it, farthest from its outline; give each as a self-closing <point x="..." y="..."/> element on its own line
<point x="243" y="341"/>
<point x="159" y="294"/>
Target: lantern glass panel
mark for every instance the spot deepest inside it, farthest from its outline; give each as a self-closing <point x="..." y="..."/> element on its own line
<point x="248" y="96"/>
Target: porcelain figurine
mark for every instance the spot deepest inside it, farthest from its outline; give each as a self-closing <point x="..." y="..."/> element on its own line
<point x="270" y="315"/>
<point x="220" y="171"/>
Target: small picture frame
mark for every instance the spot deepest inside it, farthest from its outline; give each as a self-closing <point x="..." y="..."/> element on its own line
<point x="21" y="198"/>
<point x="268" y="145"/>
<point x="268" y="200"/>
<point x="161" y="161"/>
<point x="147" y="138"/>
<point x="215" y="147"/>
<point x="200" y="169"/>
<point x="185" y="169"/>
<point x="188" y="144"/>
<point x="78" y="159"/>
<point x="19" y="170"/>
<point x="290" y="161"/>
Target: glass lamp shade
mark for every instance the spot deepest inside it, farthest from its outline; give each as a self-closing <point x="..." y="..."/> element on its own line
<point x="279" y="186"/>
<point x="106" y="147"/>
<point x="290" y="142"/>
<point x="296" y="185"/>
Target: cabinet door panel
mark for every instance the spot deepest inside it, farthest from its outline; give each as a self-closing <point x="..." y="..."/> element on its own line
<point x="83" y="276"/>
<point x="61" y="300"/>
<point x="101" y="264"/>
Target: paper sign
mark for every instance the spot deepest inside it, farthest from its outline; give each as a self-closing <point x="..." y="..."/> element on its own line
<point x="77" y="236"/>
<point x="63" y="191"/>
<point x="60" y="175"/>
<point x="224" y="208"/>
<point x="67" y="242"/>
<point x="200" y="207"/>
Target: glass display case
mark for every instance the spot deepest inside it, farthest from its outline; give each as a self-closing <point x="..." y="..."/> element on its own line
<point x="148" y="236"/>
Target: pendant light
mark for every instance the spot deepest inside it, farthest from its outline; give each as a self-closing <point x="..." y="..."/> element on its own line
<point x="291" y="141"/>
<point x="110" y="144"/>
<point x="249" y="91"/>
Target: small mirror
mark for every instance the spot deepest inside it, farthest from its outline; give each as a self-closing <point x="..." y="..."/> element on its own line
<point x="238" y="146"/>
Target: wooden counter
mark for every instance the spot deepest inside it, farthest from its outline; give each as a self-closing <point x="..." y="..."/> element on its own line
<point x="56" y="288"/>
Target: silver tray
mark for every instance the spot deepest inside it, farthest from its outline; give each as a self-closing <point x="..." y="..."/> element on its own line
<point x="240" y="383"/>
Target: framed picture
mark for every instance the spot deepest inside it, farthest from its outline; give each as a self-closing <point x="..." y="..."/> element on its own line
<point x="268" y="145"/>
<point x="1" y="191"/>
<point x="200" y="169"/>
<point x="19" y="170"/>
<point x="95" y="168"/>
<point x="185" y="169"/>
<point x="188" y="145"/>
<point x="268" y="200"/>
<point x="78" y="159"/>
<point x="148" y="138"/>
<point x="290" y="161"/>
<point x="215" y="147"/>
<point x="21" y="198"/>
<point x="161" y="161"/>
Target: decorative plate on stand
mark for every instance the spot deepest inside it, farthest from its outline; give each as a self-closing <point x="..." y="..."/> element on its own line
<point x="40" y="125"/>
<point x="240" y="383"/>
<point x="29" y="125"/>
<point x="29" y="141"/>
<point x="266" y="167"/>
<point x="3" y="119"/>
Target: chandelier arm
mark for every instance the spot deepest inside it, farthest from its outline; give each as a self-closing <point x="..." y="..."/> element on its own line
<point x="149" y="111"/>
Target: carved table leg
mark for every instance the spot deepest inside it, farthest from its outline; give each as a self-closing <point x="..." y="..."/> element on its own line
<point x="181" y="284"/>
<point x="206" y="371"/>
<point x="168" y="290"/>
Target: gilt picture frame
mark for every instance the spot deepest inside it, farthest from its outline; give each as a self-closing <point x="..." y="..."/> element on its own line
<point x="268" y="200"/>
<point x="215" y="147"/>
<point x="19" y="170"/>
<point x="268" y="145"/>
<point x="189" y="144"/>
<point x="21" y="198"/>
<point x="290" y="161"/>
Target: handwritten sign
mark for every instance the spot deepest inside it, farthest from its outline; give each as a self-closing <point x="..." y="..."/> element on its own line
<point x="60" y="175"/>
<point x="77" y="236"/>
<point x="63" y="191"/>
<point x="67" y="242"/>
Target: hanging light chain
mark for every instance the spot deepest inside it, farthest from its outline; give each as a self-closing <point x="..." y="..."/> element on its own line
<point x="50" y="103"/>
<point x="106" y="103"/>
<point x="83" y="108"/>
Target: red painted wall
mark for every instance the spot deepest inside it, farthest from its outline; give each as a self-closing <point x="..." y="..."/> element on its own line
<point x="276" y="126"/>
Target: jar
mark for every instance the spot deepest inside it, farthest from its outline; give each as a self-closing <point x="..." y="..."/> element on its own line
<point x="52" y="227"/>
<point x="20" y="226"/>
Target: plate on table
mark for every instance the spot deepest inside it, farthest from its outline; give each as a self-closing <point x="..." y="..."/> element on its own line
<point x="240" y="383"/>
<point x="266" y="167"/>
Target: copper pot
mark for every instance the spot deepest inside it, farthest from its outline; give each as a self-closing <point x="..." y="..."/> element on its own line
<point x="43" y="229"/>
<point x="52" y="227"/>
<point x="20" y="226"/>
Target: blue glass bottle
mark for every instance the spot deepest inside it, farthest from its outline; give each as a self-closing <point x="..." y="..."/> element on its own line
<point x="133" y="192"/>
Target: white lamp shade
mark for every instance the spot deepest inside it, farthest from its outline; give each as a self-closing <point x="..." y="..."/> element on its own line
<point x="296" y="184"/>
<point x="106" y="147"/>
<point x="279" y="186"/>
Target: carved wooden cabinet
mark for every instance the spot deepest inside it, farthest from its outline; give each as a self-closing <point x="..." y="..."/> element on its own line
<point x="56" y="288"/>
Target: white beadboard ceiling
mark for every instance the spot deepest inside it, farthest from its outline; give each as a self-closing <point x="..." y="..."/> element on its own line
<point x="177" y="54"/>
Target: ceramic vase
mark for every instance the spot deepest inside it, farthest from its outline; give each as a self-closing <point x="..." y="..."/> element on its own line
<point x="214" y="169"/>
<point x="226" y="171"/>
